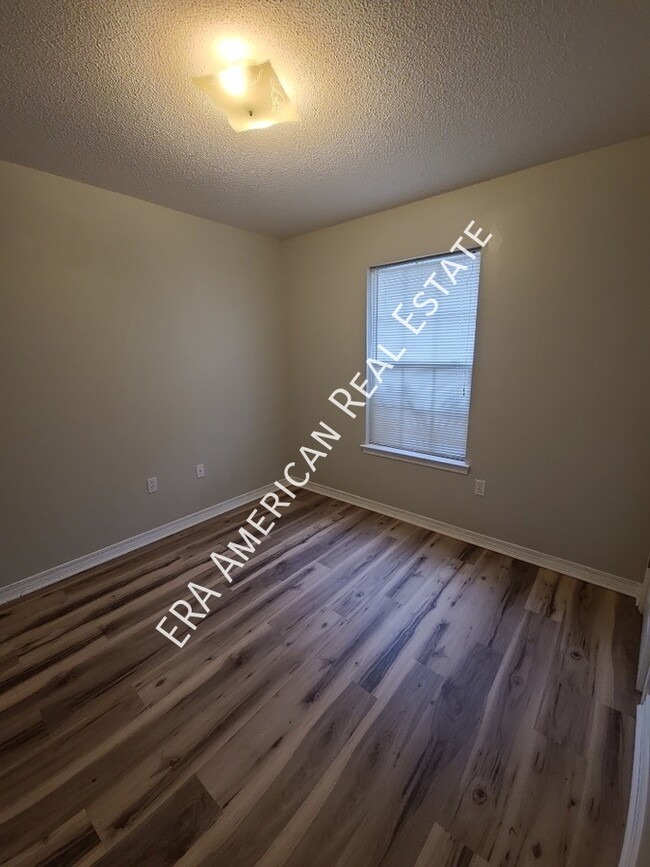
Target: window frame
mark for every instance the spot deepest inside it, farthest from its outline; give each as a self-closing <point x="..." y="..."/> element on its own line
<point x="453" y="465"/>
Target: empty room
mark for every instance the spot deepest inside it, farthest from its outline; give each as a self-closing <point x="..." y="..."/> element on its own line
<point x="325" y="386"/>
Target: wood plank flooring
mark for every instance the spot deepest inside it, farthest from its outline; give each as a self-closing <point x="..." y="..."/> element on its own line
<point x="366" y="693"/>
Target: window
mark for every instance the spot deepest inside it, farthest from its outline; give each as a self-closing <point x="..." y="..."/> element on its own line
<point x="420" y="411"/>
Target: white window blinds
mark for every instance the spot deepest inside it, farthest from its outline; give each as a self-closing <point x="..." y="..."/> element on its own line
<point x="422" y="405"/>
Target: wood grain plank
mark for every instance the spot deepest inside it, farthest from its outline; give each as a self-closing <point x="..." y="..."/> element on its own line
<point x="168" y="835"/>
<point x="626" y="640"/>
<point x="448" y="732"/>
<point x="251" y="836"/>
<point x="441" y="850"/>
<point x="541" y="810"/>
<point x="600" y="826"/>
<point x="500" y="746"/>
<point x="66" y="844"/>
<point x="196" y="727"/>
<point x="345" y="828"/>
<point x="565" y="713"/>
<point x="550" y="594"/>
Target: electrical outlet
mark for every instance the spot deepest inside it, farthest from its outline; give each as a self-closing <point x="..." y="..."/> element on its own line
<point x="200" y="471"/>
<point x="479" y="487"/>
<point x="152" y="484"/>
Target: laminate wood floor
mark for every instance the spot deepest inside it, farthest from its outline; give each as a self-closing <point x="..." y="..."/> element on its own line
<point x="366" y="693"/>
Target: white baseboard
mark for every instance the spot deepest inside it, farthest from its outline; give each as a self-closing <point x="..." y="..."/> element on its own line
<point x="96" y="558"/>
<point x="636" y="844"/>
<point x="547" y="561"/>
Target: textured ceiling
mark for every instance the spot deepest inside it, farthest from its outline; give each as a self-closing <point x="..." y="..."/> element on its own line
<point x="399" y="100"/>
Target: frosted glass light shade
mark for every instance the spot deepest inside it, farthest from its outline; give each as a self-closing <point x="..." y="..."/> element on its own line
<point x="250" y="96"/>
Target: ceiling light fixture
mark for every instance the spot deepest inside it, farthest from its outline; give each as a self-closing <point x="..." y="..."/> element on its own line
<point x="248" y="93"/>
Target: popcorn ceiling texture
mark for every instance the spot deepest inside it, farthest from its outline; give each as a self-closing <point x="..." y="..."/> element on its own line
<point x="399" y="100"/>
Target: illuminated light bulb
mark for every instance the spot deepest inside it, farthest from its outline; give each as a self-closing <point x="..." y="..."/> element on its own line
<point x="232" y="49"/>
<point x="234" y="80"/>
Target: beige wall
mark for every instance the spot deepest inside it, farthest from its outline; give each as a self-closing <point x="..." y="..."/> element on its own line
<point x="559" y="424"/>
<point x="134" y="341"/>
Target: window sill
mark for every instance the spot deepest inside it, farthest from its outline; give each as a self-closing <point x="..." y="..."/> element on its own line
<point x="449" y="464"/>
